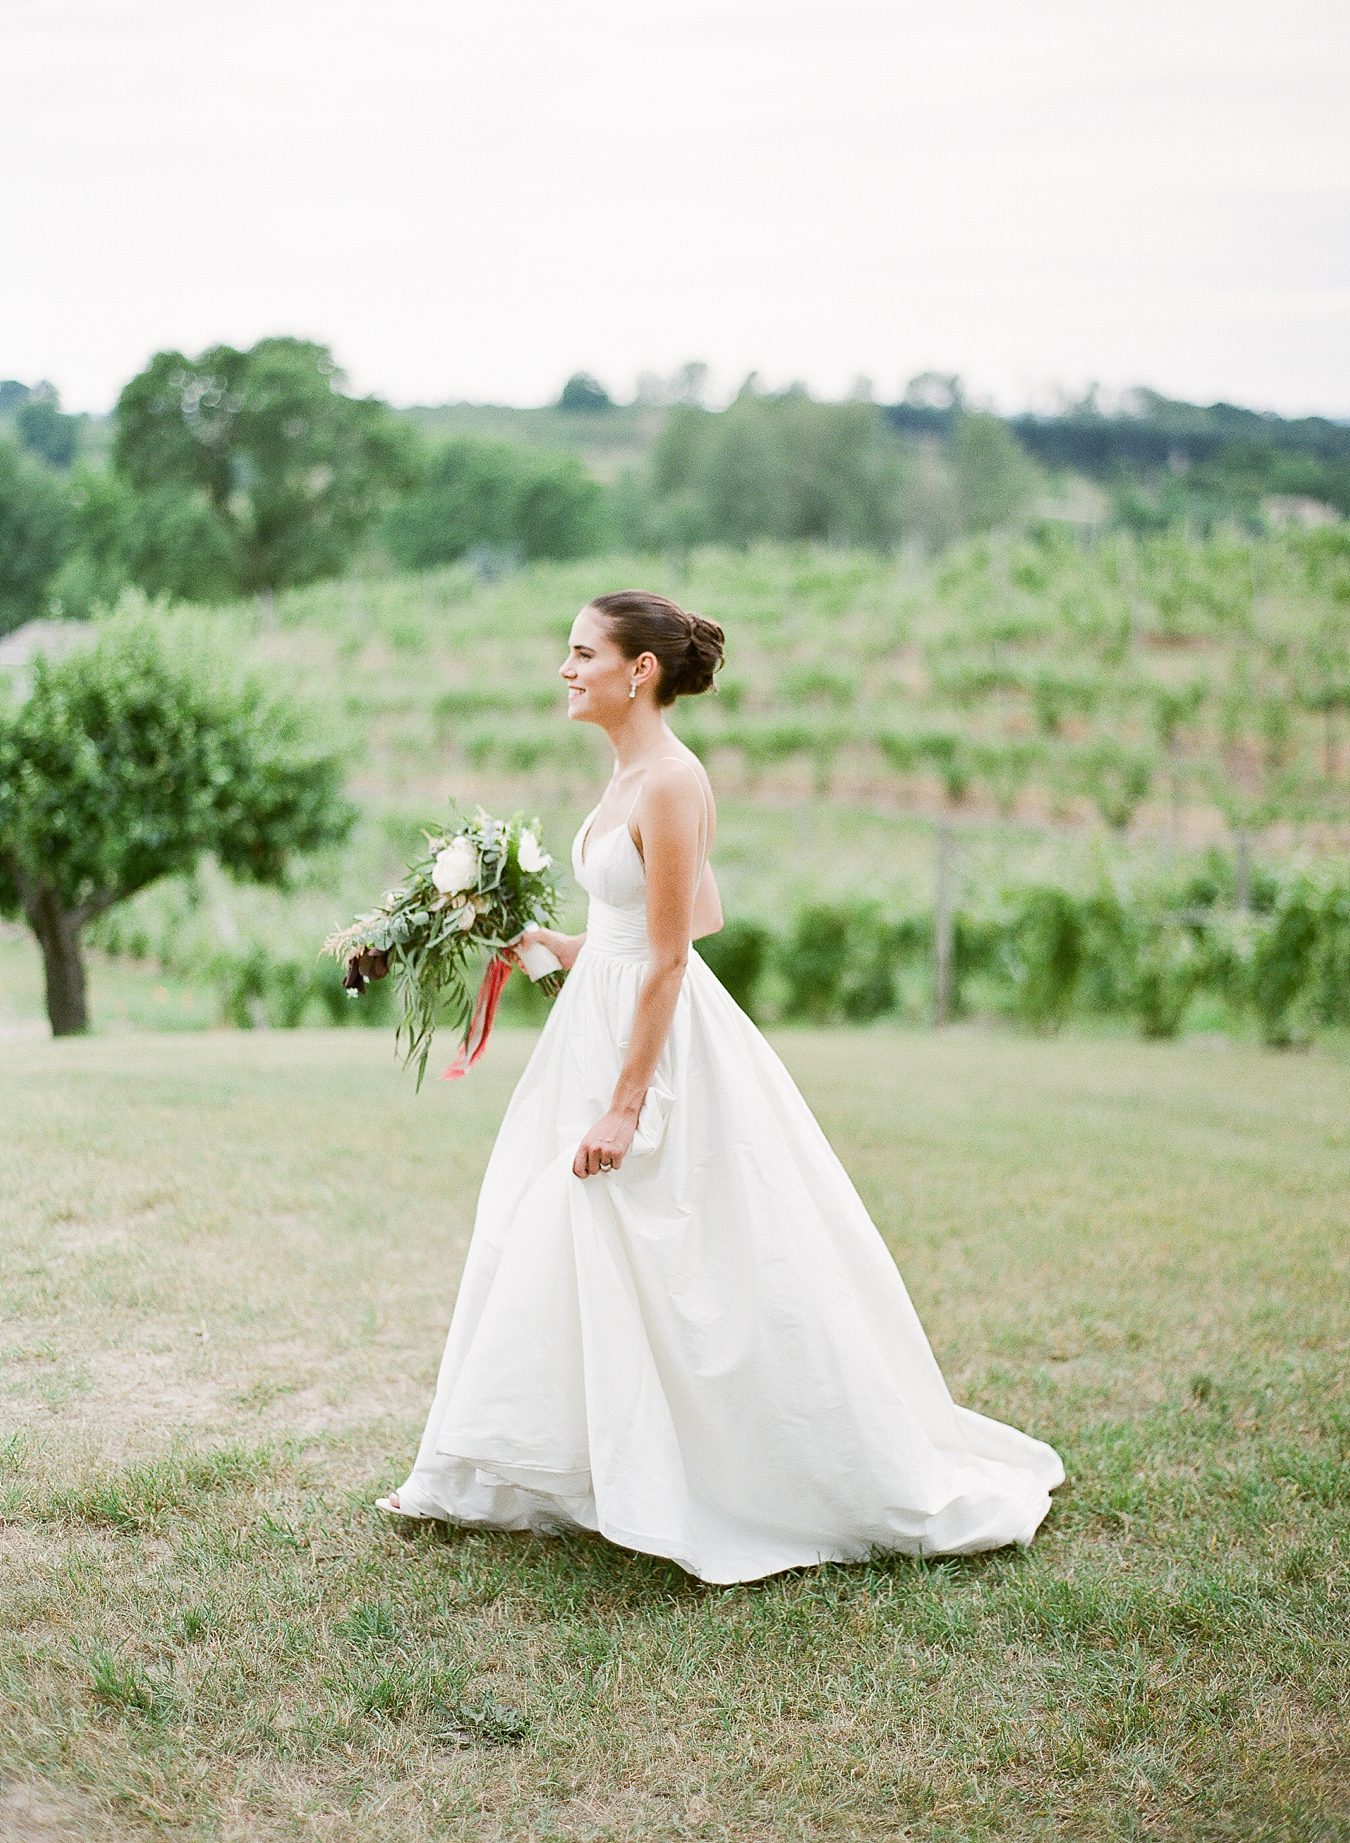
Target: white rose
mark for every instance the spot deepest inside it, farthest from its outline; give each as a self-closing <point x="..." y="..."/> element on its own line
<point x="456" y="867"/>
<point x="531" y="857"/>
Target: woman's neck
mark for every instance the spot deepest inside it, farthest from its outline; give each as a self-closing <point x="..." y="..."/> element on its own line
<point x="638" y="741"/>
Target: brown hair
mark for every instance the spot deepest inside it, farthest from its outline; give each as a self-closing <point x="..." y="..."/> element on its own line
<point x="688" y="647"/>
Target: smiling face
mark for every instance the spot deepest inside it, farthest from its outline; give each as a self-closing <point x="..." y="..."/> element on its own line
<point x="596" y="673"/>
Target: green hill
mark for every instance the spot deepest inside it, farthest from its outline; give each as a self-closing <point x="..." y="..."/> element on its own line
<point x="1068" y="707"/>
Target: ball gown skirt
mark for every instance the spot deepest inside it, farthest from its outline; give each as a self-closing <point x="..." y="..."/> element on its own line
<point x="707" y="1354"/>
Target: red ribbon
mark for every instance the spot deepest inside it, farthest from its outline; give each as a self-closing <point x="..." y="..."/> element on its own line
<point x="480" y="1025"/>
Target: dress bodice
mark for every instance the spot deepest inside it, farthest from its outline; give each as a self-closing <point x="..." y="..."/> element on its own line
<point x="613" y="876"/>
<point x="612" y="868"/>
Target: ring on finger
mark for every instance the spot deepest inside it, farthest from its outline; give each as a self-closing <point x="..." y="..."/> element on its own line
<point x="606" y="1164"/>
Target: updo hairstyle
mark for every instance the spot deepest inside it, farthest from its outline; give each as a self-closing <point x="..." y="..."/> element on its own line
<point x="688" y="647"/>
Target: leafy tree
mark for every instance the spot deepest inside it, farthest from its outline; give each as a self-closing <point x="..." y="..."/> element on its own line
<point x="481" y="492"/>
<point x="35" y="535"/>
<point x="738" y="953"/>
<point x="779" y="466"/>
<point x="742" y="481"/>
<point x="846" y="474"/>
<point x="44" y="429"/>
<point x="585" y="393"/>
<point x="994" y="481"/>
<point x="166" y="540"/>
<point x="559" y="509"/>
<point x="464" y="498"/>
<point x="295" y="471"/>
<point x="677" y="452"/>
<point x="131" y="757"/>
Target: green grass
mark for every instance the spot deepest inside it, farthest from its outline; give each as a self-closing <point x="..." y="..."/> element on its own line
<point x="229" y="1265"/>
<point x="125" y="994"/>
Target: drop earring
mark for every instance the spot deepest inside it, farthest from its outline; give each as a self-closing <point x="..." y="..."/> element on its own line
<point x="632" y="688"/>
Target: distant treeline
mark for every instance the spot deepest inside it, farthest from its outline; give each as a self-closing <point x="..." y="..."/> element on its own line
<point x="1200" y="463"/>
<point x="244" y="472"/>
<point x="1154" y="431"/>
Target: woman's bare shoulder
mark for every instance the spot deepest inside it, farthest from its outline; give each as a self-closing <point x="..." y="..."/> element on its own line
<point x="669" y="783"/>
<point x="673" y="777"/>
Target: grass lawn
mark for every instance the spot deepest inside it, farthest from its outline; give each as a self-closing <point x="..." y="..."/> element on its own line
<point x="229" y="1261"/>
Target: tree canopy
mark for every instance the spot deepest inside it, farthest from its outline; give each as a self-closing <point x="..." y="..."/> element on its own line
<point x="781" y="466"/>
<point x="292" y="472"/>
<point x="132" y="756"/>
<point x="476" y="491"/>
<point x="35" y="535"/>
<point x="584" y="392"/>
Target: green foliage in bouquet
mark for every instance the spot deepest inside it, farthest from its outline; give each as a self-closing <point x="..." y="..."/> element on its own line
<point x="478" y="884"/>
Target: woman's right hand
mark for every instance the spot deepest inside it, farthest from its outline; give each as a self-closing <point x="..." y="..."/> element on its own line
<point x="565" y="946"/>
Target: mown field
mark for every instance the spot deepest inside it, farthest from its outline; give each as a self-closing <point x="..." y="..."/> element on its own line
<point x="230" y="1260"/>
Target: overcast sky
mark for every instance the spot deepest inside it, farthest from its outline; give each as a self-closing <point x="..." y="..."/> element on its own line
<point x="473" y="201"/>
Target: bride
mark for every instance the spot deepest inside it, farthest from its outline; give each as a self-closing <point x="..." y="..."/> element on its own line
<point x="677" y="1323"/>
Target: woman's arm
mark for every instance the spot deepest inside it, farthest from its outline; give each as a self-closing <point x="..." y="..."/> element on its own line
<point x="709" y="900"/>
<point x="672" y="822"/>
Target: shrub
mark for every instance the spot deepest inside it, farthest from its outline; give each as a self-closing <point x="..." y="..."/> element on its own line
<point x="812" y="962"/>
<point x="1044" y="948"/>
<point x="1283" y="964"/>
<point x="738" y="954"/>
<point x="1331" y="971"/>
<point x="1166" y="972"/>
<point x="839" y="962"/>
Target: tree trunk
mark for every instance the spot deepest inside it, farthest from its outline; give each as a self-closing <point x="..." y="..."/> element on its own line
<point x="58" y="933"/>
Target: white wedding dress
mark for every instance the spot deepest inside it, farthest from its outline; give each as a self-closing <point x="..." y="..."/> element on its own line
<point x="708" y="1353"/>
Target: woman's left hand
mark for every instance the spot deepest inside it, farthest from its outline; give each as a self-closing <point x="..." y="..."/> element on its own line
<point x="606" y="1143"/>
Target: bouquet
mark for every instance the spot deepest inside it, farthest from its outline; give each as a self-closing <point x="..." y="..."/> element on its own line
<point x="480" y="884"/>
